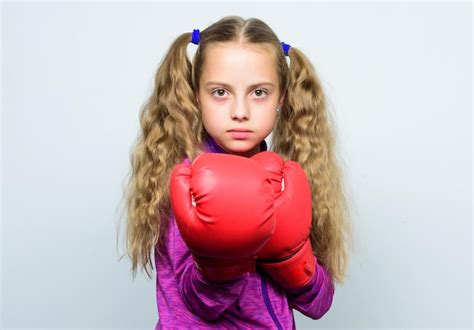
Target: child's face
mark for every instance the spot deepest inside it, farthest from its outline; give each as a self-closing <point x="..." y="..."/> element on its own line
<point x="228" y="98"/>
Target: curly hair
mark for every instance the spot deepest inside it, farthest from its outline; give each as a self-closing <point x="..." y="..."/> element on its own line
<point x="172" y="129"/>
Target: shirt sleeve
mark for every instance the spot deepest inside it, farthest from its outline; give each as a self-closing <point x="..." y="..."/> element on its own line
<point x="207" y="299"/>
<point x="315" y="298"/>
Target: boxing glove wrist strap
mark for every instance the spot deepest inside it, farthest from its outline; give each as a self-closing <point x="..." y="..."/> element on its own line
<point x="295" y="271"/>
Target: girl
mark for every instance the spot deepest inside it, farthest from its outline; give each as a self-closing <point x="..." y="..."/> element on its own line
<point x="239" y="79"/>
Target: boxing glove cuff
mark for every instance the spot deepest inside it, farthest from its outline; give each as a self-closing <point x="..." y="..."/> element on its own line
<point x="293" y="272"/>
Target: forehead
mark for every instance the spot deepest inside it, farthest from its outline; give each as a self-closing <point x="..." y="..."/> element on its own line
<point x="236" y="63"/>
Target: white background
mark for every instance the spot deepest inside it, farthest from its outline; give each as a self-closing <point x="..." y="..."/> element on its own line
<point x="399" y="80"/>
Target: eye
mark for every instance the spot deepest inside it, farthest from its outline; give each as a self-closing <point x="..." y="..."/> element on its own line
<point x="216" y="90"/>
<point x="261" y="90"/>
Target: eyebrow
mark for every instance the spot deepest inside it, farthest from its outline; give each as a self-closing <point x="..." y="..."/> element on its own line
<point x="228" y="86"/>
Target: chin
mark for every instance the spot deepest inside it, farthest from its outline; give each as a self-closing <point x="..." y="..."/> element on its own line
<point x="247" y="150"/>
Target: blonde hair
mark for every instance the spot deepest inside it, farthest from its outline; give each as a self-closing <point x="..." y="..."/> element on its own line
<point x="172" y="129"/>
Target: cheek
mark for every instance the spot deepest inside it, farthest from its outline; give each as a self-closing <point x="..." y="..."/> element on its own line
<point x="211" y="117"/>
<point x="267" y="119"/>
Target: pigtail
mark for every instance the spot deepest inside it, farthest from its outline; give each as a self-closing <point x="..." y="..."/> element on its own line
<point x="170" y="132"/>
<point x="305" y="133"/>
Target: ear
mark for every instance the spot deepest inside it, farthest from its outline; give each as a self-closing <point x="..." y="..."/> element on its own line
<point x="282" y="98"/>
<point x="196" y="96"/>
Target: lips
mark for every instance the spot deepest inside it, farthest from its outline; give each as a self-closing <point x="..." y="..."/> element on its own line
<point x="240" y="133"/>
<point x="239" y="130"/>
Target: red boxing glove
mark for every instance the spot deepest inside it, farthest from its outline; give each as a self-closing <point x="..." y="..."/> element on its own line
<point x="223" y="205"/>
<point x="288" y="256"/>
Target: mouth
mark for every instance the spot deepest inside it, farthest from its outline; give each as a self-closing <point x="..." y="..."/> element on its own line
<point x="239" y="130"/>
<point x="240" y="133"/>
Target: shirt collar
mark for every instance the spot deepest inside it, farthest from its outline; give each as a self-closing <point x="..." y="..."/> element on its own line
<point x="212" y="147"/>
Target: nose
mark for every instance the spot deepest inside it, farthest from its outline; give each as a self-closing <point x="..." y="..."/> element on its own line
<point x="240" y="111"/>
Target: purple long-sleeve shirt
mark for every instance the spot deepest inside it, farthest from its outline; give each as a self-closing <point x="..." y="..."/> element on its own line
<point x="186" y="300"/>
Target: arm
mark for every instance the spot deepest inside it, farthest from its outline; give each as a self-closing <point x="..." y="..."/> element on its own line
<point x="219" y="226"/>
<point x="288" y="257"/>
<point x="315" y="298"/>
<point x="207" y="299"/>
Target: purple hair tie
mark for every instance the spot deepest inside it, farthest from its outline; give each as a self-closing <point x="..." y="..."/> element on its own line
<point x="285" y="47"/>
<point x="196" y="37"/>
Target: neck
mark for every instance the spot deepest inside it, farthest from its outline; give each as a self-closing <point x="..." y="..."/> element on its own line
<point x="211" y="146"/>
